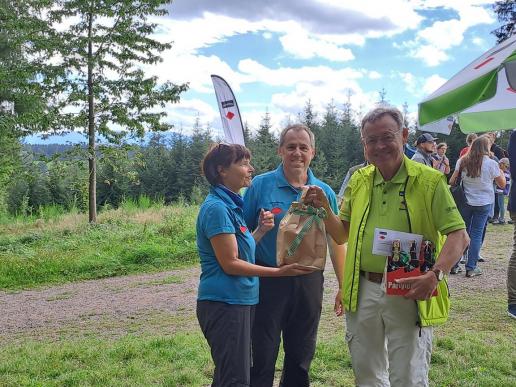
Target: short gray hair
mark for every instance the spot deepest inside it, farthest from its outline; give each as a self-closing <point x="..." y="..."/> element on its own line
<point x="377" y="113"/>
<point x="297" y="128"/>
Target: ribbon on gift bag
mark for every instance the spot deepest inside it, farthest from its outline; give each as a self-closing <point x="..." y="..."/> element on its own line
<point x="302" y="236"/>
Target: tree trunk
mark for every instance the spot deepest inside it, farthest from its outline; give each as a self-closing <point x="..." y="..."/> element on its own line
<point x="92" y="158"/>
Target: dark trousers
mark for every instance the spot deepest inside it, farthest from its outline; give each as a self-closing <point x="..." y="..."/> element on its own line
<point x="288" y="307"/>
<point x="511" y="270"/>
<point x="227" y="328"/>
<point x="496" y="211"/>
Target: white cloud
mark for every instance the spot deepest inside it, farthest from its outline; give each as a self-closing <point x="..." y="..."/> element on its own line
<point x="374" y="75"/>
<point x="367" y="17"/>
<point x="399" y="15"/>
<point x="301" y="45"/>
<point x="430" y="54"/>
<point x="189" y="36"/>
<point x="306" y="28"/>
<point x="432" y="43"/>
<point x="432" y="83"/>
<point x="184" y="114"/>
<point x="289" y="76"/>
<point x="205" y="25"/>
<point x="410" y="81"/>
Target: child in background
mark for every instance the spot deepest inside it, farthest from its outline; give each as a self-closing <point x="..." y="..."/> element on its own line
<point x="502" y="193"/>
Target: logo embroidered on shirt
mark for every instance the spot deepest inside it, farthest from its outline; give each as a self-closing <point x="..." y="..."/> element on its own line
<point x="243" y="229"/>
<point x="276" y="210"/>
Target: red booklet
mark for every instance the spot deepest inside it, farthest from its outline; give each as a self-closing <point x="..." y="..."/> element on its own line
<point x="404" y="264"/>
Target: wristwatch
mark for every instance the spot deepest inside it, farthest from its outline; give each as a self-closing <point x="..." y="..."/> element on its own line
<point x="439" y="274"/>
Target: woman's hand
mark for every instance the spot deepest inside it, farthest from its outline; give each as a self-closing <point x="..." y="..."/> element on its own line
<point x="454" y="177"/>
<point x="265" y="221"/>
<point x="265" y="224"/>
<point x="294" y="269"/>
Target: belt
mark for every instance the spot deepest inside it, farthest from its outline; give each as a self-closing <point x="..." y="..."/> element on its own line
<point x="373" y="277"/>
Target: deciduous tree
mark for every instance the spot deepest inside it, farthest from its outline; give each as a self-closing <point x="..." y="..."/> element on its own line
<point x="100" y="51"/>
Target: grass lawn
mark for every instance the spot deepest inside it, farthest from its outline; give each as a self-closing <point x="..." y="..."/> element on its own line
<point x="67" y="249"/>
<point x="476" y="347"/>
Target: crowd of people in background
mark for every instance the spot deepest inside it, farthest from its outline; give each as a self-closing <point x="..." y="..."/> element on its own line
<point x="484" y="168"/>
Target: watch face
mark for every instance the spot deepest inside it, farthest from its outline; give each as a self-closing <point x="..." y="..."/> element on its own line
<point x="439" y="274"/>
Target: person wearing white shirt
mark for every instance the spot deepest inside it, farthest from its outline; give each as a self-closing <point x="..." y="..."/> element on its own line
<point x="478" y="172"/>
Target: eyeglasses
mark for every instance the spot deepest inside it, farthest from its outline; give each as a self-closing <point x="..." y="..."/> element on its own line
<point x="387" y="139"/>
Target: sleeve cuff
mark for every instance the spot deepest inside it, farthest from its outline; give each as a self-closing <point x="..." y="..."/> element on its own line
<point x="452" y="228"/>
<point x="222" y="230"/>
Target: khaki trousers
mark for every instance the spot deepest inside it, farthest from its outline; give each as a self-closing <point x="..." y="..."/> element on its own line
<point x="386" y="345"/>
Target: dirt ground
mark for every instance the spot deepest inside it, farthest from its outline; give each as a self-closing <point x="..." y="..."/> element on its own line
<point x="116" y="306"/>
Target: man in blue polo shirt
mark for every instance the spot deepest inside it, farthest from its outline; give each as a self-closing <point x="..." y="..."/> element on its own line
<point x="288" y="306"/>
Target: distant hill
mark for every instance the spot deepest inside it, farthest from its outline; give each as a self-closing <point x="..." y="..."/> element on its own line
<point x="48" y="148"/>
<point x="78" y="138"/>
<point x="69" y="138"/>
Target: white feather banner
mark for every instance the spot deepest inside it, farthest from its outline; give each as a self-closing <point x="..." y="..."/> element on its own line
<point x="229" y="112"/>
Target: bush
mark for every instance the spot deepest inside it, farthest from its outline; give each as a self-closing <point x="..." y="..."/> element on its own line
<point x="52" y="211"/>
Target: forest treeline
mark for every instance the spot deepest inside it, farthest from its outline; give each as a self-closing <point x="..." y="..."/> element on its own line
<point x="167" y="168"/>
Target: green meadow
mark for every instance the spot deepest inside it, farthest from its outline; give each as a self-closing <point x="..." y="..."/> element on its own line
<point x="475" y="348"/>
<point x="137" y="237"/>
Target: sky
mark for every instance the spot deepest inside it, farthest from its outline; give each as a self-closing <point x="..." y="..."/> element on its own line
<point x="278" y="54"/>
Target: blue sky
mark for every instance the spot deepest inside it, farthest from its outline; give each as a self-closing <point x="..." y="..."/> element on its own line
<point x="278" y="54"/>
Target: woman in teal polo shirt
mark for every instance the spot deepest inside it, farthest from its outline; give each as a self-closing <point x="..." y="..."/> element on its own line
<point x="228" y="288"/>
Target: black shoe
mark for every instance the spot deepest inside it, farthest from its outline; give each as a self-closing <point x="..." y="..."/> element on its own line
<point x="456" y="270"/>
<point x="511" y="310"/>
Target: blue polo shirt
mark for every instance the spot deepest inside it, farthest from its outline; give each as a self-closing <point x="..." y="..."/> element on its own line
<point x="220" y="215"/>
<point x="271" y="191"/>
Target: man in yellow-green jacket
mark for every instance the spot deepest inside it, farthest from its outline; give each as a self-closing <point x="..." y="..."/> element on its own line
<point x="390" y="337"/>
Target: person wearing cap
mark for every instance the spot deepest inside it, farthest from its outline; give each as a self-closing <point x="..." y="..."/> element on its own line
<point x="425" y="145"/>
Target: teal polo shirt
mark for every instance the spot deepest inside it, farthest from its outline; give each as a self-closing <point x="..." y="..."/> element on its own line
<point x="220" y="215"/>
<point x="271" y="191"/>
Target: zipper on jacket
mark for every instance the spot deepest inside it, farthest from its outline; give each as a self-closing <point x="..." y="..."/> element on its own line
<point x="356" y="247"/>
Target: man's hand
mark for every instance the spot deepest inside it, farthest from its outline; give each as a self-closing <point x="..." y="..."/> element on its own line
<point x="421" y="287"/>
<point x="338" y="307"/>
<point x="316" y="197"/>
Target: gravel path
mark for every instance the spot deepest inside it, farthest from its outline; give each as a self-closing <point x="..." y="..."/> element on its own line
<point x="90" y="302"/>
<point x="113" y="305"/>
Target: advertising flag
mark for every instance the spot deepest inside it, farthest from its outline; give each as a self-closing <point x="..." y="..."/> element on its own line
<point x="229" y="113"/>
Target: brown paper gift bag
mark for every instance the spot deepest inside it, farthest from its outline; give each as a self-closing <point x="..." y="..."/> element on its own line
<point x="302" y="237"/>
